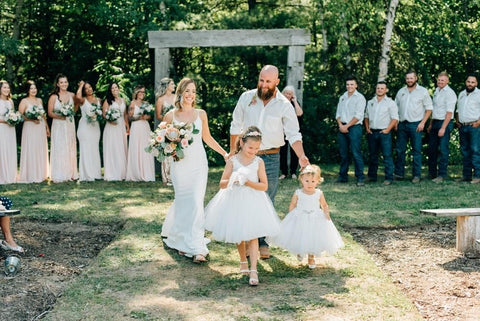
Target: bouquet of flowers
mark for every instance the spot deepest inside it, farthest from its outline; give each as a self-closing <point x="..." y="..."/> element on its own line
<point x="147" y="109"/>
<point x="94" y="113"/>
<point x="13" y="117"/>
<point x="113" y="114"/>
<point x="35" y="112"/>
<point x="171" y="140"/>
<point x="66" y="110"/>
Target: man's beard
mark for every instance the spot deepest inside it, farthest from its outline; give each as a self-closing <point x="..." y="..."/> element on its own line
<point x="469" y="90"/>
<point x="412" y="85"/>
<point x="265" y="95"/>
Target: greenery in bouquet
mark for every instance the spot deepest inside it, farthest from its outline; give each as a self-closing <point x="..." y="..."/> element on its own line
<point x="113" y="114"/>
<point x="171" y="140"/>
<point x="66" y="110"/>
<point x="35" y="112"/>
<point x="13" y="117"/>
<point x="94" y="113"/>
<point x="147" y="109"/>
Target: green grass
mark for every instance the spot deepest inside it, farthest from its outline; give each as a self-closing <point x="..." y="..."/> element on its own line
<point x="134" y="277"/>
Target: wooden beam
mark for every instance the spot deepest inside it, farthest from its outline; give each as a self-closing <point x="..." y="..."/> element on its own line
<point x="295" y="69"/>
<point x="228" y="38"/>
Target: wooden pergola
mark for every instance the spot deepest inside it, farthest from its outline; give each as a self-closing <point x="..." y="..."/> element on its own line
<point x="295" y="39"/>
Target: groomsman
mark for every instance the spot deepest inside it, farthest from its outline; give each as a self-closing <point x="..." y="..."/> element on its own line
<point x="350" y="112"/>
<point x="381" y="116"/>
<point x="468" y="119"/>
<point x="414" y="109"/>
<point x="444" y="100"/>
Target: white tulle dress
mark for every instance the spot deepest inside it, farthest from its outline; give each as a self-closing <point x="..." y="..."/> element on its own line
<point x="240" y="213"/>
<point x="140" y="164"/>
<point x="184" y="223"/>
<point x="63" y="148"/>
<point x="88" y="135"/>
<point x="306" y="229"/>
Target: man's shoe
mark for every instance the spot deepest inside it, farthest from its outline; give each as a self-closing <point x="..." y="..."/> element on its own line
<point x="360" y="183"/>
<point x="475" y="181"/>
<point x="264" y="252"/>
<point x="370" y="180"/>
<point x="294" y="176"/>
<point x="282" y="177"/>
<point x="397" y="177"/>
<point x="341" y="181"/>
<point x="463" y="179"/>
<point x="416" y="179"/>
<point x="387" y="182"/>
<point x="438" y="180"/>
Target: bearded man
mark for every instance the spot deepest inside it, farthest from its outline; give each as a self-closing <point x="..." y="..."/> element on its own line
<point x="266" y="108"/>
<point x="414" y="108"/>
<point x="468" y="120"/>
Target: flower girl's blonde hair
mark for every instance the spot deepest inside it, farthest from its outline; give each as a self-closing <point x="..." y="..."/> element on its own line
<point x="313" y="170"/>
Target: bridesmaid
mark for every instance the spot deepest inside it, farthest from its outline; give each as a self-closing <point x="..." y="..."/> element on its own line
<point x="165" y="100"/>
<point x="8" y="138"/>
<point x="34" y="166"/>
<point x="115" y="137"/>
<point x="88" y="133"/>
<point x="140" y="164"/>
<point x="63" y="145"/>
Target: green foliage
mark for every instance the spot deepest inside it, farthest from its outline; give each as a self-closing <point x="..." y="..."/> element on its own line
<point x="104" y="41"/>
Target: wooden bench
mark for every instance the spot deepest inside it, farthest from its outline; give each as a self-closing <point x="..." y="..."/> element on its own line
<point x="468" y="228"/>
<point x="9" y="212"/>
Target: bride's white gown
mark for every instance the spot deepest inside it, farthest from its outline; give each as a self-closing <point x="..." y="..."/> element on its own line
<point x="184" y="223"/>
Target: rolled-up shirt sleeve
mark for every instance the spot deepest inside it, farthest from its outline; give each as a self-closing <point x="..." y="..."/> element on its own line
<point x="290" y="126"/>
<point x="360" y="104"/>
<point x="237" y="124"/>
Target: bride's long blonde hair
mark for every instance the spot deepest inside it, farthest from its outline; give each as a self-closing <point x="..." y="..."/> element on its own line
<point x="181" y="87"/>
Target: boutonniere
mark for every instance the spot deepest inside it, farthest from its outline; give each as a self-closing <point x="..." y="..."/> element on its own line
<point x="371" y="103"/>
<point x="342" y="99"/>
<point x="253" y="101"/>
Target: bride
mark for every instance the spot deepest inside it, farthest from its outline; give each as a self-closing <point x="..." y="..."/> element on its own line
<point x="183" y="227"/>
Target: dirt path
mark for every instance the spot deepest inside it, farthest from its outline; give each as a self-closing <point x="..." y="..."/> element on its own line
<point x="442" y="283"/>
<point x="56" y="254"/>
<point x="422" y="262"/>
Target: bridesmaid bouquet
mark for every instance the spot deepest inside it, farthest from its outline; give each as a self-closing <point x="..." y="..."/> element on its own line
<point x="66" y="110"/>
<point x="94" y="113"/>
<point x="171" y="140"/>
<point x="13" y="117"/>
<point x="112" y="114"/>
<point x="35" y="112"/>
<point x="147" y="109"/>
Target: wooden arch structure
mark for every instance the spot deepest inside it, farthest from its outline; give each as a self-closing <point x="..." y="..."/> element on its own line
<point x="295" y="39"/>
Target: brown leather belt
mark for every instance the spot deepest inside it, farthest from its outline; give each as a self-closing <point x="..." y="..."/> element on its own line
<point x="469" y="123"/>
<point x="268" y="151"/>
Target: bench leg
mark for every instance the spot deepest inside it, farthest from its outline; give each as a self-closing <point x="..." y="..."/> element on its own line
<point x="468" y="231"/>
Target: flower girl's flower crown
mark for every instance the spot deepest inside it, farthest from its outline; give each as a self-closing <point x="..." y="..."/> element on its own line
<point x="253" y="134"/>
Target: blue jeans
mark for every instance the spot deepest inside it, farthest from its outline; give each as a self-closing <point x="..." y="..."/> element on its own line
<point x="272" y="167"/>
<point x="438" y="149"/>
<point x="377" y="141"/>
<point x="408" y="131"/>
<point x="352" y="140"/>
<point x="470" y="147"/>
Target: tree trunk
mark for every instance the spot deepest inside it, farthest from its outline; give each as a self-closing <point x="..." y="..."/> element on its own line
<point x="251" y="5"/>
<point x="15" y="37"/>
<point x="387" y="37"/>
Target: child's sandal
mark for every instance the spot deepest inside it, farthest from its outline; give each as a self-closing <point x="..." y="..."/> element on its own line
<point x="311" y="262"/>
<point x="244" y="271"/>
<point x="253" y="281"/>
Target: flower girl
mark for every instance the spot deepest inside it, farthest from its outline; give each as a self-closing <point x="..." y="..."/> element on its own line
<point x="307" y="228"/>
<point x="241" y="211"/>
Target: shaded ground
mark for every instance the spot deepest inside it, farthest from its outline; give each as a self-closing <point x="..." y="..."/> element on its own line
<point x="442" y="283"/>
<point x="55" y="254"/>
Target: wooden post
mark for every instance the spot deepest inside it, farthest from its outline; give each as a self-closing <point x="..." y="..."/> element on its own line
<point x="295" y="65"/>
<point x="468" y="231"/>
<point x="162" y="63"/>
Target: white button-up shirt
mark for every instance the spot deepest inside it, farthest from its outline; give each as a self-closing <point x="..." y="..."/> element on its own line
<point x="380" y="113"/>
<point x="413" y="104"/>
<point x="350" y="107"/>
<point x="444" y="101"/>
<point x="468" y="106"/>
<point x="276" y="120"/>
